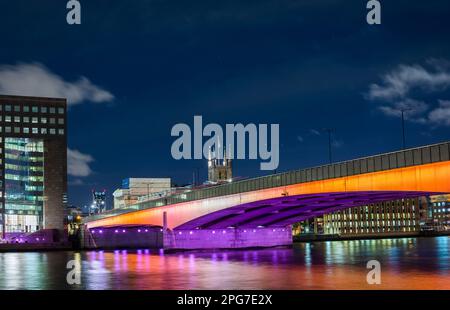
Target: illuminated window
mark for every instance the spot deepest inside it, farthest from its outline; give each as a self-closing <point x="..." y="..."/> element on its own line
<point x="34" y="109"/>
<point x="61" y="121"/>
<point x="8" y="118"/>
<point x="34" y="120"/>
<point x="7" y="108"/>
<point x="26" y="130"/>
<point x="52" y="120"/>
<point x="17" y="119"/>
<point x="43" y="120"/>
<point x="16" y="129"/>
<point x="52" y="131"/>
<point x="44" y="131"/>
<point x="60" y="110"/>
<point x="16" y="108"/>
<point x="26" y="119"/>
<point x="60" y="131"/>
<point x="52" y="110"/>
<point x="26" y="108"/>
<point x="35" y="131"/>
<point x="43" y="109"/>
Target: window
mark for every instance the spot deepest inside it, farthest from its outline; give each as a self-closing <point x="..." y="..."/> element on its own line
<point x="60" y="110"/>
<point x="35" y="130"/>
<point x="16" y="108"/>
<point x="34" y="120"/>
<point x="43" y="109"/>
<point x="16" y="129"/>
<point x="43" y="120"/>
<point x="60" y="131"/>
<point x="34" y="109"/>
<point x="52" y="120"/>
<point x="8" y="118"/>
<point x="7" y="108"/>
<point x="52" y="110"/>
<point x="61" y="121"/>
<point x="26" y="119"/>
<point x="26" y="108"/>
<point x="16" y="119"/>
<point x="44" y="131"/>
<point x="52" y="131"/>
<point x="8" y="129"/>
<point x="26" y="130"/>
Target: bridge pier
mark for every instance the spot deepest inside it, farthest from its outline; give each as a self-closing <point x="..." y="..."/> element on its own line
<point x="230" y="238"/>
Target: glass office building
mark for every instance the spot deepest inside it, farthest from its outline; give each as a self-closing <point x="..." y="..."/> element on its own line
<point x="33" y="163"/>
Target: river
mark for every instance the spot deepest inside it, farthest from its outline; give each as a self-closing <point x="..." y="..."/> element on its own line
<point x="408" y="263"/>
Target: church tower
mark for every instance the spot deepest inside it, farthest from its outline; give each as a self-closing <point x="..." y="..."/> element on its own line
<point x="219" y="170"/>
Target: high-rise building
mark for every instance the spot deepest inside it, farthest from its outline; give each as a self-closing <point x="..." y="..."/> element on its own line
<point x="33" y="163"/>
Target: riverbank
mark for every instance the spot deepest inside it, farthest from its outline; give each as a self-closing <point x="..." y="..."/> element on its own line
<point x="319" y="238"/>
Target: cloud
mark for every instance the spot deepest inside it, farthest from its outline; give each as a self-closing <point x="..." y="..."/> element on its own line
<point x="34" y="79"/>
<point x="314" y="132"/>
<point x="300" y="139"/>
<point x="395" y="92"/>
<point x="78" y="163"/>
<point x="441" y="115"/>
<point x="398" y="83"/>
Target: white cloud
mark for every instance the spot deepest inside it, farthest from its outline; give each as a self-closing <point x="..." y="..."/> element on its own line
<point x="441" y="115"/>
<point x="397" y="87"/>
<point x="398" y="83"/>
<point x="314" y="132"/>
<point x="78" y="163"/>
<point x="34" y="79"/>
<point x="300" y="139"/>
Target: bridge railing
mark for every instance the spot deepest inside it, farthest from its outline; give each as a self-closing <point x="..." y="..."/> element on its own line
<point x="400" y="159"/>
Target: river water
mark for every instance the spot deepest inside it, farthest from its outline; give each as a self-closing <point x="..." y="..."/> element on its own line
<point x="408" y="263"/>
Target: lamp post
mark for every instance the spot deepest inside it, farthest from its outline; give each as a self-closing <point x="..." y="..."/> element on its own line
<point x="329" y="131"/>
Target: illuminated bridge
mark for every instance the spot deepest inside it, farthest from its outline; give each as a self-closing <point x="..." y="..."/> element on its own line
<point x="259" y="211"/>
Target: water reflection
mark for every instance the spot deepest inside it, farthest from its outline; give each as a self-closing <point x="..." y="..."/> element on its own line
<point x="410" y="263"/>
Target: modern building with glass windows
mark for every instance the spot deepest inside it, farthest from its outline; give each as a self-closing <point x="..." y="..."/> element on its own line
<point x="33" y="163"/>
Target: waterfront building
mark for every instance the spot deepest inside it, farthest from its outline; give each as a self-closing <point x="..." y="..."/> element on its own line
<point x="135" y="189"/>
<point x="436" y="213"/>
<point x="33" y="162"/>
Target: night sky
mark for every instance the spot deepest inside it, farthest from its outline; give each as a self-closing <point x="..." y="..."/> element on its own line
<point x="133" y="69"/>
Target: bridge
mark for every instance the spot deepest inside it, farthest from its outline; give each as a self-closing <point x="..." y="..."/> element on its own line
<point x="259" y="211"/>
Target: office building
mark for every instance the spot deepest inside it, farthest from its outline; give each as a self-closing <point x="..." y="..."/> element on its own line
<point x="135" y="189"/>
<point x="33" y="163"/>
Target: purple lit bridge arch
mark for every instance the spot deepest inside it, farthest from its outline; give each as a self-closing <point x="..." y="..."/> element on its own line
<point x="287" y="210"/>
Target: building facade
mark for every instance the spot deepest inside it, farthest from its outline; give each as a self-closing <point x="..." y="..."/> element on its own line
<point x="33" y="164"/>
<point x="134" y="189"/>
<point x="98" y="202"/>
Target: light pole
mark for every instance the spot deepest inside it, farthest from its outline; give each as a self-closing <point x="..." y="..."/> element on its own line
<point x="403" y="127"/>
<point x="329" y="131"/>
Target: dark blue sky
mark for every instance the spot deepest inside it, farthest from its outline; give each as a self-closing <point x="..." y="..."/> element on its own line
<point x="303" y="64"/>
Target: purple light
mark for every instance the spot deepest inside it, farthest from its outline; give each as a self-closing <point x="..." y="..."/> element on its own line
<point x="146" y="230"/>
<point x="101" y="231"/>
<point x="180" y="233"/>
<point x="190" y="232"/>
<point x="116" y="231"/>
<point x="213" y="231"/>
<point x="37" y="239"/>
<point x="123" y="230"/>
<point x="93" y="231"/>
<point x="139" y="230"/>
<point x="224" y="232"/>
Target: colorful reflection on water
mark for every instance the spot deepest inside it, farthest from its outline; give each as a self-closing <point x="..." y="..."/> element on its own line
<point x="410" y="263"/>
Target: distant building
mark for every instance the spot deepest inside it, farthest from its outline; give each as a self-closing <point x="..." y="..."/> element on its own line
<point x="391" y="218"/>
<point x="134" y="189"/>
<point x="219" y="170"/>
<point x="98" y="202"/>
<point x="33" y="152"/>
<point x="436" y="213"/>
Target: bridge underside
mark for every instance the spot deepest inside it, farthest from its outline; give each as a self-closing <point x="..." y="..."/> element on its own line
<point x="283" y="211"/>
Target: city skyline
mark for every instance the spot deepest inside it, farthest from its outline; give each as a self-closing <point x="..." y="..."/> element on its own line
<point x="131" y="72"/>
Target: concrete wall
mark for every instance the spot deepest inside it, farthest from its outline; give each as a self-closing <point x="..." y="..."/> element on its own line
<point x="116" y="238"/>
<point x="227" y="238"/>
